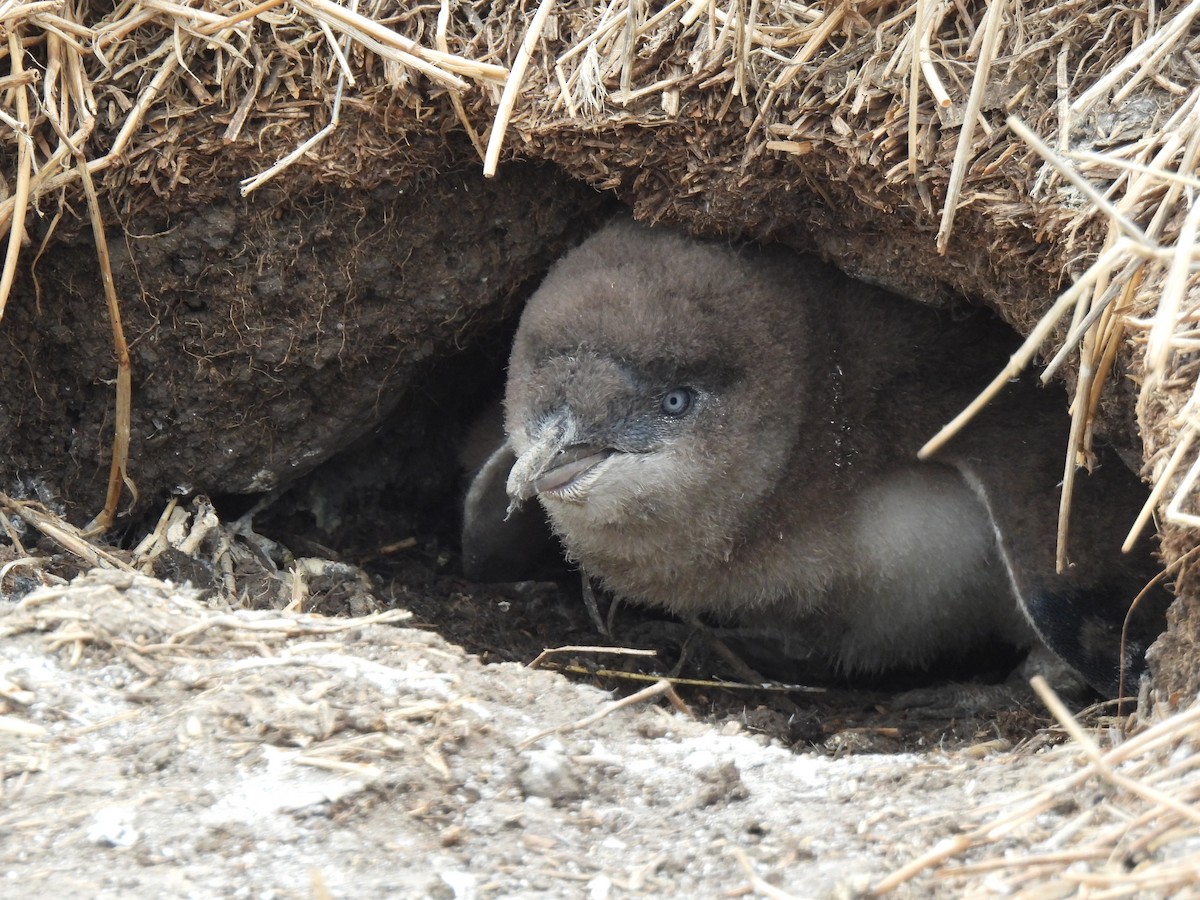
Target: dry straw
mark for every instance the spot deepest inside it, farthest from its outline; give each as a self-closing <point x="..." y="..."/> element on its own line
<point x="1107" y="823"/>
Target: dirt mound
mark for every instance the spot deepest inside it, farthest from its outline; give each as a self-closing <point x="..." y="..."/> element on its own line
<point x="154" y="744"/>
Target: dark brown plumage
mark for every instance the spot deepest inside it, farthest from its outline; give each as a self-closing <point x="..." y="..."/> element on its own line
<point x="733" y="433"/>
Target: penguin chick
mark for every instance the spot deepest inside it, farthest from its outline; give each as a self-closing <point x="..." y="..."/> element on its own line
<point x="732" y="433"/>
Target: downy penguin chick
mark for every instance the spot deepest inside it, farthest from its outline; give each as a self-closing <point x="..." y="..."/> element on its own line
<point x="732" y="433"/>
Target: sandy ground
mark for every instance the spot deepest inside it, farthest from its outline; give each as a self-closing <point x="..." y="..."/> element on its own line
<point x="153" y="746"/>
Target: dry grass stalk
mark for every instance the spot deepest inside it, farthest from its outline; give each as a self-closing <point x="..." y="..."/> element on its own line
<point x="380" y="40"/>
<point x="756" y="685"/>
<point x="914" y="85"/>
<point x="660" y="687"/>
<point x="1028" y="350"/>
<point x="63" y="533"/>
<point x="19" y="728"/>
<point x="460" y="111"/>
<point x="1166" y="318"/>
<point x="580" y="648"/>
<point x="1142" y="56"/>
<point x="20" y="200"/>
<point x="929" y="26"/>
<point x="118" y="471"/>
<point x="758" y="884"/>
<point x="1165" y="477"/>
<point x="512" y="87"/>
<point x="826" y="26"/>
<point x="250" y="185"/>
<point x="966" y="137"/>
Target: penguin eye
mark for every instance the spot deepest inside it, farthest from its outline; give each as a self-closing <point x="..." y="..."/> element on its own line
<point x="677" y="402"/>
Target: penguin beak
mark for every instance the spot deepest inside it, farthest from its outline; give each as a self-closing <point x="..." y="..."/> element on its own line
<point x="553" y="462"/>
